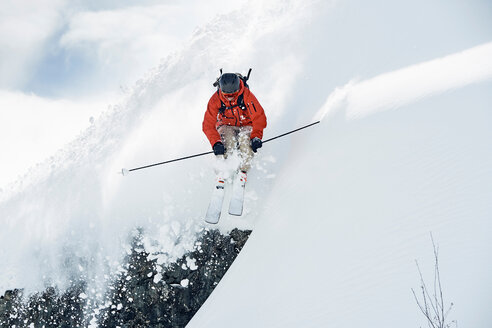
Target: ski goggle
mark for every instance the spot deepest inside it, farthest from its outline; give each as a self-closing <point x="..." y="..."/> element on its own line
<point x="230" y="95"/>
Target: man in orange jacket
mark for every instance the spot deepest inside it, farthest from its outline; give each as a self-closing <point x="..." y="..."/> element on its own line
<point x="234" y="118"/>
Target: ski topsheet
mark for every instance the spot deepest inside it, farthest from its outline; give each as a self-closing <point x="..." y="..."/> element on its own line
<point x="237" y="197"/>
<point x="215" y="206"/>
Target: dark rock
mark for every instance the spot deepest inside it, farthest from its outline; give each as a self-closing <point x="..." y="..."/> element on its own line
<point x="167" y="303"/>
<point x="136" y="300"/>
<point x="48" y="309"/>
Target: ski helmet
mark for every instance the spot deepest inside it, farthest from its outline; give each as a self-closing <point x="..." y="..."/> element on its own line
<point x="229" y="83"/>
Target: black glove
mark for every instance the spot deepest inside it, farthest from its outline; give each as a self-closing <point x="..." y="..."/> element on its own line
<point x="219" y="148"/>
<point x="256" y="143"/>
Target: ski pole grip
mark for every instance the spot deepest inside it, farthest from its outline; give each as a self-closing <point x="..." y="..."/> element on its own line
<point x="216" y="83"/>
<point x="247" y="76"/>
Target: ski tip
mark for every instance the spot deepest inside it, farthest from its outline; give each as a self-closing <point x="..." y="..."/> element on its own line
<point x="125" y="172"/>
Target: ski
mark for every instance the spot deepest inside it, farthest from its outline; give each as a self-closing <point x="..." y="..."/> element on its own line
<point x="215" y="206"/>
<point x="237" y="198"/>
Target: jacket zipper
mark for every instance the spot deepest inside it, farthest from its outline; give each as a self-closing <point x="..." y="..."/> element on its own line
<point x="249" y="108"/>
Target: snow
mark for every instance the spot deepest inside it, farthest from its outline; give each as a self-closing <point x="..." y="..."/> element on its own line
<point x="191" y="264"/>
<point x="398" y="88"/>
<point x="385" y="186"/>
<point x="157" y="278"/>
<point x="184" y="283"/>
<point x="339" y="211"/>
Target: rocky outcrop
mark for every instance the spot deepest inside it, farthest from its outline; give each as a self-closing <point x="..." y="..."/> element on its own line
<point x="47" y="309"/>
<point x="144" y="295"/>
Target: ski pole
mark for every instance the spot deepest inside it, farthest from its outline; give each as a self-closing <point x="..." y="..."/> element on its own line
<point x="284" y="134"/>
<point x="125" y="171"/>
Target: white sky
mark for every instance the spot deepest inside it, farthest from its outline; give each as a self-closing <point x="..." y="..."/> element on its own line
<point x="63" y="61"/>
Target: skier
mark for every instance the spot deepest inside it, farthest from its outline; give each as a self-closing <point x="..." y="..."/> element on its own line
<point x="234" y="117"/>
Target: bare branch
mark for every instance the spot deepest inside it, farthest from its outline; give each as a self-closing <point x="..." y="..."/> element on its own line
<point x="426" y="294"/>
<point x="438" y="275"/>
<point x="424" y="310"/>
<point x="432" y="307"/>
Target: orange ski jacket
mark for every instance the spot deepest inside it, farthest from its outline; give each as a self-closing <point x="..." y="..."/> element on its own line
<point x="244" y="110"/>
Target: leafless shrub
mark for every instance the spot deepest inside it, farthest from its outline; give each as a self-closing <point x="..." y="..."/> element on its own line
<point x="432" y="306"/>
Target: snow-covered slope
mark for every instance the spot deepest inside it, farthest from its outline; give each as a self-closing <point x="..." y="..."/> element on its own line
<point x="397" y="156"/>
<point x="339" y="211"/>
<point x="364" y="202"/>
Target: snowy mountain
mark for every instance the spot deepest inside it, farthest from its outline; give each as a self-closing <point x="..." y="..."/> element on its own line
<point x="339" y="211"/>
